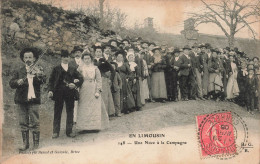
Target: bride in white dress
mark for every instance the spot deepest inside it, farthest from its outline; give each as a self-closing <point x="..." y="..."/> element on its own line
<point x="91" y="114"/>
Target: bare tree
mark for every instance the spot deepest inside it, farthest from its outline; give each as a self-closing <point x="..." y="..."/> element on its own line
<point x="120" y="19"/>
<point x="110" y="18"/>
<point x="230" y="16"/>
<point x="101" y="10"/>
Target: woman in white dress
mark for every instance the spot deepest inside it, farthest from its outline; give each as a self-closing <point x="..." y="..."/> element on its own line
<point x="232" y="85"/>
<point x="92" y="114"/>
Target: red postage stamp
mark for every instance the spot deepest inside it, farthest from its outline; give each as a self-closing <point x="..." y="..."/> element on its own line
<point x="216" y="134"/>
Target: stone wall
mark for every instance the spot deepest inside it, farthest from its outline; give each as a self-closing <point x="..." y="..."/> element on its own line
<point x="31" y="24"/>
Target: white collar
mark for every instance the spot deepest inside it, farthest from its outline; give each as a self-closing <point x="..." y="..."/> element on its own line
<point x="119" y="64"/>
<point x="78" y="60"/>
<point x="65" y="66"/>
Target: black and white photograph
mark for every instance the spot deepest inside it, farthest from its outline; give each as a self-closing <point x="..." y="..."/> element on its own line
<point x="130" y="81"/>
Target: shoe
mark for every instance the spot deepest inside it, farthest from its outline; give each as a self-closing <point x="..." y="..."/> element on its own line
<point x="186" y="99"/>
<point x="119" y="115"/>
<point x="163" y="101"/>
<point x="152" y="101"/>
<point x="25" y="136"/>
<point x="55" y="135"/>
<point x="36" y="139"/>
<point x="202" y="98"/>
<point x="72" y="135"/>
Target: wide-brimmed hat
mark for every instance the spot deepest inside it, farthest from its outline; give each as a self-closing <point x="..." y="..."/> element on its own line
<point x="186" y="47"/>
<point x="77" y="48"/>
<point x="125" y="40"/>
<point x="35" y="52"/>
<point x="156" y="48"/>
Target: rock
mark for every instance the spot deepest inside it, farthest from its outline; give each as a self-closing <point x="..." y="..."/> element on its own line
<point x="39" y="44"/>
<point x="39" y="18"/>
<point x="14" y="27"/>
<point x="20" y="35"/>
<point x="30" y="37"/>
<point x="34" y="34"/>
<point x="67" y="35"/>
<point x="44" y="36"/>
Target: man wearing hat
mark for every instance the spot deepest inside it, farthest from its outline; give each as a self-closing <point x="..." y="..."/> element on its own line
<point x="108" y="53"/>
<point x="76" y="54"/>
<point x="204" y="60"/>
<point x="196" y="62"/>
<point x="27" y="81"/>
<point x="171" y="74"/>
<point x="62" y="83"/>
<point x="126" y="43"/>
<point x="185" y="68"/>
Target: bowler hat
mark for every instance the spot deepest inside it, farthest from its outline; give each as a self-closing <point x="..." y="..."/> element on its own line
<point x="35" y="52"/>
<point x="64" y="53"/>
<point x="195" y="45"/>
<point x="145" y="41"/>
<point x="97" y="47"/>
<point x="186" y="47"/>
<point x="176" y="50"/>
<point x="215" y="50"/>
<point x="208" y="46"/>
<point x="76" y="48"/>
<point x="120" y="52"/>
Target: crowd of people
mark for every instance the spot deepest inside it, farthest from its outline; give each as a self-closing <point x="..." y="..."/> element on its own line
<point x="118" y="76"/>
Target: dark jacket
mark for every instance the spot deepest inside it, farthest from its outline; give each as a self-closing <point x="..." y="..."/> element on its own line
<point x="116" y="82"/>
<point x="159" y="67"/>
<point x="56" y="75"/>
<point x="184" y="68"/>
<point x="73" y="63"/>
<point x="21" y="93"/>
<point x="169" y="63"/>
<point x="252" y="84"/>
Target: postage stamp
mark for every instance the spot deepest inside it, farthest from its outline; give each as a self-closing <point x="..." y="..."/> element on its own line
<point x="221" y="134"/>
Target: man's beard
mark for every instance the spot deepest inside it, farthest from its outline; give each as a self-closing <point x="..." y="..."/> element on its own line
<point x="28" y="63"/>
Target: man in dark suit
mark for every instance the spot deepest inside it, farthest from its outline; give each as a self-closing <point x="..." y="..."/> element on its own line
<point x="63" y="80"/>
<point x="197" y="71"/>
<point x="185" y="68"/>
<point x="27" y="81"/>
<point x="169" y="75"/>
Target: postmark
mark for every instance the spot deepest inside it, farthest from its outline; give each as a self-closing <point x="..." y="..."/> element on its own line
<point x="221" y="134"/>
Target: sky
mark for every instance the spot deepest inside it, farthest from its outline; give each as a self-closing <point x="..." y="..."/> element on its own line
<point x="168" y="15"/>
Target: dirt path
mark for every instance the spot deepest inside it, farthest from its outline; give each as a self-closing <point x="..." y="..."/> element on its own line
<point x="155" y="117"/>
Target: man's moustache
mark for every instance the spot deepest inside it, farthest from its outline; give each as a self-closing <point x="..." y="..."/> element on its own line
<point x="28" y="62"/>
